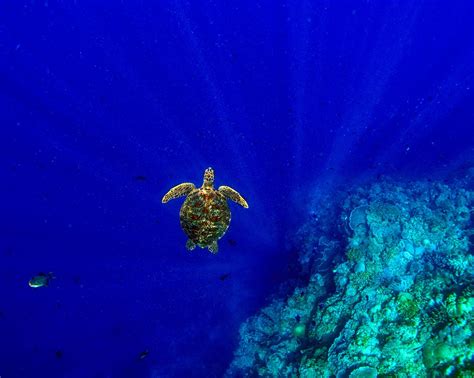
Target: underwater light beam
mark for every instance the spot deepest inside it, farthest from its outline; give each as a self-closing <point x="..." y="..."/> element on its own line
<point x="300" y="38"/>
<point x="449" y="93"/>
<point x="124" y="68"/>
<point x="385" y="57"/>
<point x="238" y="165"/>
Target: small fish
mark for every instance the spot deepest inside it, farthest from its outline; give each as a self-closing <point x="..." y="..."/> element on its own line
<point x="58" y="354"/>
<point x="232" y="242"/>
<point x="297" y="318"/>
<point x="223" y="277"/>
<point x="40" y="280"/>
<point x="143" y="354"/>
<point x="140" y="178"/>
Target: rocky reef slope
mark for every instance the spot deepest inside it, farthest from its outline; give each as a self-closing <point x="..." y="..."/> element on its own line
<point x="389" y="289"/>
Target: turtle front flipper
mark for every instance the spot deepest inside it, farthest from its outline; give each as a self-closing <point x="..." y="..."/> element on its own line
<point x="213" y="248"/>
<point x="233" y="195"/>
<point x="178" y="191"/>
<point x="190" y="245"/>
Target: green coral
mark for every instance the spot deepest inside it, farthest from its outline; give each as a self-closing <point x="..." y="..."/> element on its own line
<point x="437" y="353"/>
<point x="408" y="308"/>
<point x="454" y="310"/>
<point x="299" y="330"/>
<point x="355" y="254"/>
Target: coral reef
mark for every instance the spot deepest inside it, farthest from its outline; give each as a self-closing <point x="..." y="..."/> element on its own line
<point x="389" y="293"/>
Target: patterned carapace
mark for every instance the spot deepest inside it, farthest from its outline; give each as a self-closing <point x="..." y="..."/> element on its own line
<point x="205" y="214"/>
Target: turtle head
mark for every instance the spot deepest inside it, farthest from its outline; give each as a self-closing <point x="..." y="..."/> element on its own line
<point x="208" y="178"/>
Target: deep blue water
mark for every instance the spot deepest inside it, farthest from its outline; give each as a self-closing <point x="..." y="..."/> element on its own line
<point x="104" y="106"/>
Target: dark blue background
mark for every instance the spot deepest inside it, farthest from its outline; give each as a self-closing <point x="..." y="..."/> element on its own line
<point x="284" y="99"/>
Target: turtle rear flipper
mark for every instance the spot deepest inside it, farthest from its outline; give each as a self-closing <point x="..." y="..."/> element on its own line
<point x="213" y="247"/>
<point x="178" y="191"/>
<point x="190" y="245"/>
<point x="233" y="195"/>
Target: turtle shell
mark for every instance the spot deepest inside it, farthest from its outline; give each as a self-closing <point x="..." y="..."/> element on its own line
<point x="205" y="216"/>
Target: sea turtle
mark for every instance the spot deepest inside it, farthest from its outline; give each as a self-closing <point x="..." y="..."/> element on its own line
<point x="205" y="214"/>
